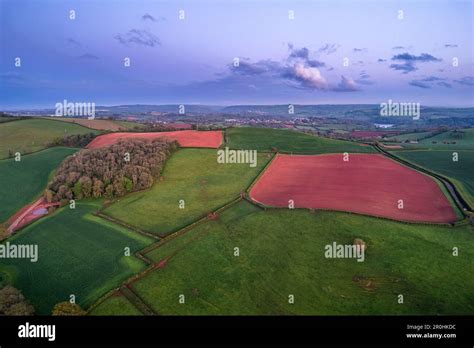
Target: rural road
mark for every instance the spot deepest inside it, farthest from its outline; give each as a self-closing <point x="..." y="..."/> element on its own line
<point x="454" y="193"/>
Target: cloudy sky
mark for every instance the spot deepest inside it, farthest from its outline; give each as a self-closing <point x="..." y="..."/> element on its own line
<point x="236" y="52"/>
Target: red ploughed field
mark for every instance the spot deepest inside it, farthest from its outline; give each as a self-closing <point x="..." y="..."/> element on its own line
<point x="28" y="214"/>
<point x="366" y="184"/>
<point x="186" y="138"/>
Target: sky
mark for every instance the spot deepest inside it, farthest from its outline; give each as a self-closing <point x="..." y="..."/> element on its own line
<point x="232" y="52"/>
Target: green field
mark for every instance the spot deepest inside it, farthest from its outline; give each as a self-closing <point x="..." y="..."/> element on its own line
<point x="281" y="251"/>
<point x="266" y="139"/>
<point x="99" y="123"/>
<point x="115" y="305"/>
<point x="79" y="254"/>
<point x="7" y="118"/>
<point x="32" y="135"/>
<point x="441" y="162"/>
<point x="282" y="254"/>
<point x="464" y="139"/>
<point x="23" y="181"/>
<point x="408" y="136"/>
<point x="192" y="175"/>
<point x="129" y="125"/>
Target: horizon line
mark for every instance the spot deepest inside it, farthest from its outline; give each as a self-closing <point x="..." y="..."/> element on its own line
<point x="36" y="108"/>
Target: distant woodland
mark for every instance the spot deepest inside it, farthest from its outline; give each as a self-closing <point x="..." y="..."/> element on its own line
<point x="74" y="140"/>
<point x="112" y="171"/>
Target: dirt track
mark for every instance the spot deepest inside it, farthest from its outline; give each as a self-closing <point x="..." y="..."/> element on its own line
<point x="28" y="214"/>
<point x="366" y="184"/>
<point x="186" y="138"/>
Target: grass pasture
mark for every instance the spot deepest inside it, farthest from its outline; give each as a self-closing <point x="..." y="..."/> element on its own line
<point x="8" y="118"/>
<point x="116" y="304"/>
<point x="281" y="251"/>
<point x="30" y="135"/>
<point x="23" y="181"/>
<point x="101" y="124"/>
<point x="463" y="138"/>
<point x="266" y="139"/>
<point x="192" y="175"/>
<point x="78" y="253"/>
<point x="282" y="254"/>
<point x="408" y="136"/>
<point x="441" y="162"/>
<point x="127" y="125"/>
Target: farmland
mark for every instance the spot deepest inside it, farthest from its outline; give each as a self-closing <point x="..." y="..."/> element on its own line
<point x="98" y="124"/>
<point x="127" y="125"/>
<point x="408" y="136"/>
<point x="462" y="139"/>
<point x="78" y="253"/>
<point x="32" y="135"/>
<point x="265" y="139"/>
<point x="191" y="175"/>
<point x="115" y="305"/>
<point x="366" y="184"/>
<point x="25" y="180"/>
<point x="441" y="162"/>
<point x="186" y="138"/>
<point x="371" y="134"/>
<point x="282" y="253"/>
<point x="7" y="119"/>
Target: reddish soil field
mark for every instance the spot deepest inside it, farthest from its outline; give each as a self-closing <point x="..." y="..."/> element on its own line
<point x="186" y="138"/>
<point x="28" y="214"/>
<point x="366" y="184"/>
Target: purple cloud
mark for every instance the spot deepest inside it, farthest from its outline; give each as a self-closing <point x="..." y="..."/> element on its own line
<point x="417" y="83"/>
<point x="466" y="81"/>
<point x="139" y="37"/>
<point x="444" y="84"/>
<point x="328" y="48"/>
<point x="409" y="61"/>
<point x="309" y="77"/>
<point x="303" y="54"/>
<point x="404" y="67"/>
<point x="424" y="57"/>
<point x="149" y="17"/>
<point x="346" y="85"/>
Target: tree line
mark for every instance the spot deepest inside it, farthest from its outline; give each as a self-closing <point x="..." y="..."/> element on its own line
<point x="127" y="166"/>
<point x="12" y="302"/>
<point x="74" y="140"/>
